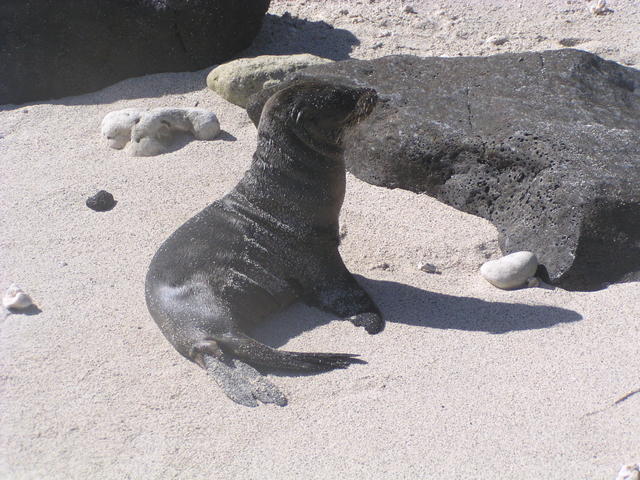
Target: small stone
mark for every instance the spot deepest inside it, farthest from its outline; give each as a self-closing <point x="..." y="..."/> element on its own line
<point x="385" y="33"/>
<point x="497" y="40"/>
<point x="428" y="268"/>
<point x="344" y="11"/>
<point x="16" y="299"/>
<point x="570" y="41"/>
<point x="101" y="201"/>
<point x="377" y="45"/>
<point x="408" y="9"/>
<point x="600" y="8"/>
<point x="381" y="266"/>
<point x="510" y="271"/>
<point x="629" y="472"/>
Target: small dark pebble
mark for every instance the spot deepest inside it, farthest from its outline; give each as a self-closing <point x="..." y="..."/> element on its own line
<point x="381" y="266"/>
<point x="429" y="268"/>
<point x="101" y="201"/>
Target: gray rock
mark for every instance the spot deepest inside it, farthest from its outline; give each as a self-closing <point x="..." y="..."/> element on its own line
<point x="55" y="48"/>
<point x="544" y="145"/>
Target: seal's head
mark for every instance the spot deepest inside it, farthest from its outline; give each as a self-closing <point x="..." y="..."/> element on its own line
<point x="317" y="113"/>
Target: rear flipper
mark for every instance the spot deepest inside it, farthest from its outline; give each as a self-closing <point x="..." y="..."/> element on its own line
<point x="242" y="383"/>
<point x="259" y="354"/>
<point x="227" y="360"/>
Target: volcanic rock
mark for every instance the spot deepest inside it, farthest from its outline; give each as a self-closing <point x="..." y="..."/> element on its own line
<point x="55" y="48"/>
<point x="544" y="145"/>
<point x="102" y="201"/>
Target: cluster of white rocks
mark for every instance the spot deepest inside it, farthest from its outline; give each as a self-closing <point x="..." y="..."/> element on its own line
<point x="149" y="132"/>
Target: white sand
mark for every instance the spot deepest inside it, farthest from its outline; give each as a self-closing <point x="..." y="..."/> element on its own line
<point x="467" y="381"/>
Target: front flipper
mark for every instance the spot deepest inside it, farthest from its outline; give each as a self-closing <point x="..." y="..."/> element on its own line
<point x="337" y="292"/>
<point x="242" y="383"/>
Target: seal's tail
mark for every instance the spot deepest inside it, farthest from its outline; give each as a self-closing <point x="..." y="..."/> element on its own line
<point x="258" y="354"/>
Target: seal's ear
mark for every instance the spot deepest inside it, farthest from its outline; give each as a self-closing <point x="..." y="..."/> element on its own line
<point x="258" y="100"/>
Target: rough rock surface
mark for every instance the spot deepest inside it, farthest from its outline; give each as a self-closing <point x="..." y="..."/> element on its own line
<point x="544" y="145"/>
<point x="55" y="48"/>
<point x="237" y="80"/>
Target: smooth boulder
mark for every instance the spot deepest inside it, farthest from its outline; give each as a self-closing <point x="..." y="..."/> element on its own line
<point x="239" y="79"/>
<point x="542" y="144"/>
<point x="56" y="48"/>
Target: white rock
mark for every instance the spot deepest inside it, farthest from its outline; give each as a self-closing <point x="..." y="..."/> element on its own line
<point x="150" y="132"/>
<point x="600" y="8"/>
<point x="116" y="126"/>
<point x="16" y="298"/>
<point x="510" y="271"/>
<point x="629" y="472"/>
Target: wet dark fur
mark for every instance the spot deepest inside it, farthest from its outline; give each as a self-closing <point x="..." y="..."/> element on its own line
<point x="269" y="242"/>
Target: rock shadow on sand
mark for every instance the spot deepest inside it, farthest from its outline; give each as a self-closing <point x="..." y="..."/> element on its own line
<point x="288" y="35"/>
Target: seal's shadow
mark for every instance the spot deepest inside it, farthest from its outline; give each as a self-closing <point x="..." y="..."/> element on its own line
<point x="413" y="306"/>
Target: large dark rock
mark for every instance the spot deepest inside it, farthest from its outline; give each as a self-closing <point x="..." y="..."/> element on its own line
<point x="54" y="48"/>
<point x="544" y="145"/>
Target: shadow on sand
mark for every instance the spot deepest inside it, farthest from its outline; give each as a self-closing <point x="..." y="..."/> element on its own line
<point x="412" y="306"/>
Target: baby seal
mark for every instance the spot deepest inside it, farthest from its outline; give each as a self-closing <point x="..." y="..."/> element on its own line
<point x="269" y="242"/>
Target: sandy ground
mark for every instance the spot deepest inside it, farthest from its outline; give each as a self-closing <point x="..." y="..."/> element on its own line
<point x="467" y="381"/>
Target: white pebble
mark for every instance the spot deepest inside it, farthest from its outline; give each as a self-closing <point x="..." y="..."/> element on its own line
<point x="16" y="298"/>
<point x="629" y="472"/>
<point x="600" y="8"/>
<point x="510" y="271"/>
